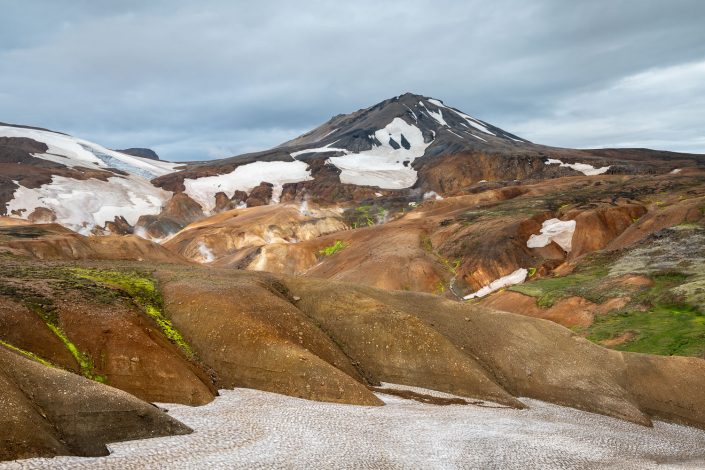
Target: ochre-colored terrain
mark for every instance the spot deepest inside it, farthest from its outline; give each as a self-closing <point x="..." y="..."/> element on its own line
<point x="357" y="294"/>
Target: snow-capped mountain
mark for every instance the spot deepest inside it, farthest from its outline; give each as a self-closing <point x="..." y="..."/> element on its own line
<point x="405" y="145"/>
<point x="376" y="146"/>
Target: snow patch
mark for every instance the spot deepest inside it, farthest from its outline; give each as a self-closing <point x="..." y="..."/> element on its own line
<point x="583" y="168"/>
<point x="437" y="115"/>
<point x="383" y="165"/>
<point x="517" y="277"/>
<point x="245" y="178"/>
<point x="82" y="204"/>
<point x="555" y="230"/>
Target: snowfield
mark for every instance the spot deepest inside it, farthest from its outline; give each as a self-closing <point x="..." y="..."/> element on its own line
<point x="246" y="429"/>
<point x="82" y="204"/>
<point x="584" y="168"/>
<point x="245" y="178"/>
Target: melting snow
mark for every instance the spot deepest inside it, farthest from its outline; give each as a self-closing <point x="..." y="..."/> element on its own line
<point x="556" y="230"/>
<point x="583" y="168"/>
<point x="246" y="428"/>
<point x="82" y="204"/>
<point x="517" y="277"/>
<point x="245" y="178"/>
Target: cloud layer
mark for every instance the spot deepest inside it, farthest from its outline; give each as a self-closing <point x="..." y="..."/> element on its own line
<point x="197" y="80"/>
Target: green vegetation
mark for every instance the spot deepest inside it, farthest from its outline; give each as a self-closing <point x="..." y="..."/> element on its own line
<point x="658" y="318"/>
<point x="333" y="249"/>
<point x="450" y="265"/>
<point x="46" y="310"/>
<point x="365" y="215"/>
<point x="588" y="283"/>
<point x="27" y="354"/>
<point x="668" y="327"/>
<point x="144" y="293"/>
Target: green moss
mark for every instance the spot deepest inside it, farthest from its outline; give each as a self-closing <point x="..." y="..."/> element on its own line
<point x="83" y="360"/>
<point x="27" y="354"/>
<point x="333" y="249"/>
<point x="663" y="329"/>
<point x="143" y="291"/>
<point x="548" y="291"/>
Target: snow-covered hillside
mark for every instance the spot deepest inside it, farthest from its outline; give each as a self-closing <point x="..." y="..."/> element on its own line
<point x="81" y="204"/>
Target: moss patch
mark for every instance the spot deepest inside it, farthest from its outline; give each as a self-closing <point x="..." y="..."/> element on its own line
<point x="47" y="312"/>
<point x="333" y="249"/>
<point x="143" y="291"/>
<point x="27" y="354"/>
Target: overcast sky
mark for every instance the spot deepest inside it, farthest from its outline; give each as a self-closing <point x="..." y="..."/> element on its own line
<point x="208" y="79"/>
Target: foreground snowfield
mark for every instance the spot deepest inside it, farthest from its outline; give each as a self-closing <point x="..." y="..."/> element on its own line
<point x="253" y="429"/>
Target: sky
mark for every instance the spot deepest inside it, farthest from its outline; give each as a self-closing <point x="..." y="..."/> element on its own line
<point x="212" y="79"/>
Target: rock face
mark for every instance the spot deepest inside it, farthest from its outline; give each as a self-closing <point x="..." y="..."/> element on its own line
<point x="47" y="411"/>
<point x="178" y="212"/>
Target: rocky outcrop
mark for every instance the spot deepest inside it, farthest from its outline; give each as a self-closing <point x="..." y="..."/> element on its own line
<point x="260" y="195"/>
<point x="178" y="212"/>
<point x="141" y="152"/>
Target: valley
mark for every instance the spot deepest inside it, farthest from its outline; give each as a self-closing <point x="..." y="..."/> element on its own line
<point x="389" y="255"/>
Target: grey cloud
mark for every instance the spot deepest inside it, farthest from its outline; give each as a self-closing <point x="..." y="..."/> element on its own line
<point x="203" y="79"/>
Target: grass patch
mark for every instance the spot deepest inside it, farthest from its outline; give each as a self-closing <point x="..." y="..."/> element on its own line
<point x="333" y="249"/>
<point x="143" y="291"/>
<point x="663" y="329"/>
<point x="587" y="284"/>
<point x="660" y="320"/>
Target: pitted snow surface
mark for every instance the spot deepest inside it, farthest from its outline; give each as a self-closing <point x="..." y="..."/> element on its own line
<point x="253" y="429"/>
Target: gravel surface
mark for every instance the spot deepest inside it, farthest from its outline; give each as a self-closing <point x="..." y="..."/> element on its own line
<point x="246" y="428"/>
